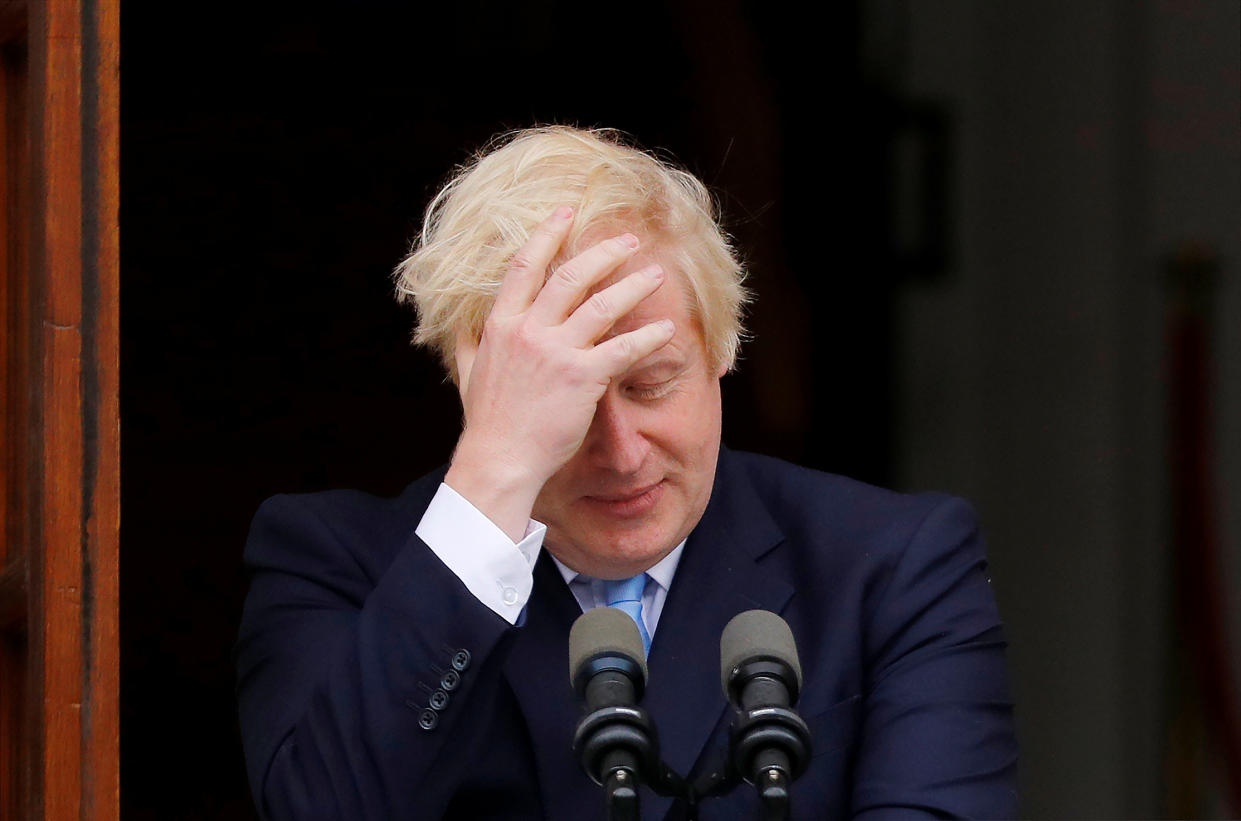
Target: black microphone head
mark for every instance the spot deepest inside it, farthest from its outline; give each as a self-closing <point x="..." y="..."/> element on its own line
<point x="604" y="631"/>
<point x="754" y="635"/>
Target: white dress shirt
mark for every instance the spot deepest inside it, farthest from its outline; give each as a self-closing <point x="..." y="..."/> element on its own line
<point x="500" y="574"/>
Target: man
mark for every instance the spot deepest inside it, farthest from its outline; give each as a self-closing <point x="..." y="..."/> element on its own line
<point x="407" y="658"/>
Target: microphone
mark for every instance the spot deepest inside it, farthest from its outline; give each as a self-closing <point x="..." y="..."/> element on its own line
<point x="762" y="678"/>
<point x="615" y="741"/>
<point x="607" y="662"/>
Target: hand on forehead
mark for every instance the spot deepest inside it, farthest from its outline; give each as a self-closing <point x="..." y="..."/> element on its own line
<point x="652" y="250"/>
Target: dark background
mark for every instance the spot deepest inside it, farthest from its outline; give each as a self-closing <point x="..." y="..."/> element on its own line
<point x="957" y="219"/>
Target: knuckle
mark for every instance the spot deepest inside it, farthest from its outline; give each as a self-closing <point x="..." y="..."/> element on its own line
<point x="525" y="333"/>
<point x="569" y="275"/>
<point x="624" y="347"/>
<point x="506" y="331"/>
<point x="573" y="370"/>
<point x="522" y="260"/>
<point x="601" y="304"/>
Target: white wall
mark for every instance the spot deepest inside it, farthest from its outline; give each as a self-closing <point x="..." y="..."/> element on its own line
<point x="1030" y="378"/>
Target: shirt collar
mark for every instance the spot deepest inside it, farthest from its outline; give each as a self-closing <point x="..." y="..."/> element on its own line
<point x="662" y="571"/>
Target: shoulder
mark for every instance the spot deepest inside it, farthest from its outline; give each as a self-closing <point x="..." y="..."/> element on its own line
<point x="315" y="533"/>
<point x="807" y="499"/>
<point x="838" y="532"/>
<point x="897" y="569"/>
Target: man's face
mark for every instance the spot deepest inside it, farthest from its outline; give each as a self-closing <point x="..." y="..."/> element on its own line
<point x="641" y="479"/>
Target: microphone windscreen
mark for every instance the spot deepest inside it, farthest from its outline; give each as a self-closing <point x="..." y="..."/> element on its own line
<point x="756" y="634"/>
<point x="604" y="630"/>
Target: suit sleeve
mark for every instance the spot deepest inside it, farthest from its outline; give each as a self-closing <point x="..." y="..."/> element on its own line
<point x="938" y="737"/>
<point x="338" y="664"/>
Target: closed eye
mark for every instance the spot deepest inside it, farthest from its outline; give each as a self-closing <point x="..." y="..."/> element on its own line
<point x="648" y="392"/>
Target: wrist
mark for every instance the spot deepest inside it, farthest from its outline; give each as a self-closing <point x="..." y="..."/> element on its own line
<point x="502" y="488"/>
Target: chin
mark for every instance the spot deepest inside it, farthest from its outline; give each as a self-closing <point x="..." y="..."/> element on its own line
<point x="617" y="555"/>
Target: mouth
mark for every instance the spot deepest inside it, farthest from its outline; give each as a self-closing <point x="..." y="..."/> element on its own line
<point x="627" y="503"/>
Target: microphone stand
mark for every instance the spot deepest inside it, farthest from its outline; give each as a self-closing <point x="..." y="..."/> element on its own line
<point x="620" y="792"/>
<point x="619" y="748"/>
<point x="621" y="772"/>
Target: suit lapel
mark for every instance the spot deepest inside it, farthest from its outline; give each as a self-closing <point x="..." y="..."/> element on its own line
<point x="537" y="669"/>
<point x="718" y="576"/>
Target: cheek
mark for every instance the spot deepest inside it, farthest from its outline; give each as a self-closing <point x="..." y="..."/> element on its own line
<point x="693" y="428"/>
<point x="556" y="488"/>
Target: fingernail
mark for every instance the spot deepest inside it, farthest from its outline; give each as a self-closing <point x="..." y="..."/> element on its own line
<point x="667" y="327"/>
<point x="630" y="240"/>
<point x="655" y="272"/>
<point x="564" y="212"/>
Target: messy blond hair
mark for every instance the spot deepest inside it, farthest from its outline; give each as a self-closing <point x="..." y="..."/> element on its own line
<point x="487" y="211"/>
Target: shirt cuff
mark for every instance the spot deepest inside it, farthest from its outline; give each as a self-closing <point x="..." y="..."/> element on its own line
<point x="499" y="573"/>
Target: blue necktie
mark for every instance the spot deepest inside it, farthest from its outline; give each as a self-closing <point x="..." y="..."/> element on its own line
<point x="626" y="595"/>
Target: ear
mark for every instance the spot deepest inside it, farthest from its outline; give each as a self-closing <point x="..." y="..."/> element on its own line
<point x="463" y="356"/>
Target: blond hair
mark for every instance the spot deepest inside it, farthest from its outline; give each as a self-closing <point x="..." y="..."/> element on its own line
<point x="487" y="211"/>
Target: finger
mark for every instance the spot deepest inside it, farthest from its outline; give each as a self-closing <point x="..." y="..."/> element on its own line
<point x="601" y="310"/>
<point x="528" y="268"/>
<point x="567" y="287"/>
<point x="623" y="351"/>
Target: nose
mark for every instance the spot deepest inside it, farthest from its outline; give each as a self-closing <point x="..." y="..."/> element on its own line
<point x="615" y="440"/>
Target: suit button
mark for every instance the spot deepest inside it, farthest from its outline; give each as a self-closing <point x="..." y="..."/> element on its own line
<point x="428" y="719"/>
<point x="461" y="660"/>
<point x="450" y="680"/>
<point x="439" y="700"/>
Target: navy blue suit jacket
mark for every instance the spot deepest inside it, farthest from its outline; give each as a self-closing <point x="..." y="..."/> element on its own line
<point x="352" y="623"/>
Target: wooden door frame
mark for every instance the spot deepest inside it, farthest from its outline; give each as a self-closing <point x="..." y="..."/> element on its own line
<point x="59" y="560"/>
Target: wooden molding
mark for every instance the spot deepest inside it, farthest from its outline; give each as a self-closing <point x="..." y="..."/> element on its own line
<point x="73" y="473"/>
